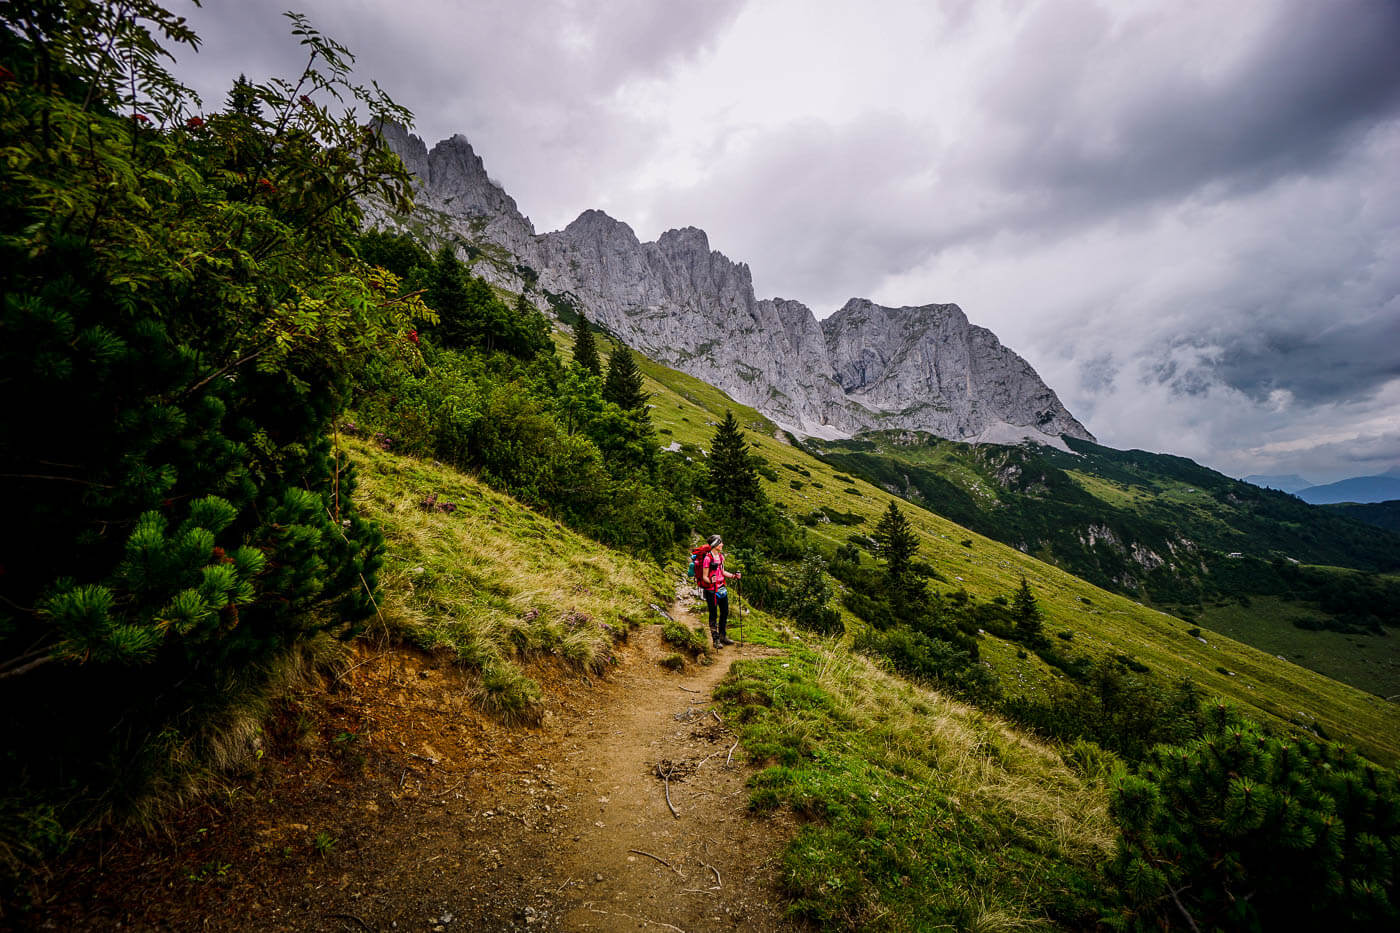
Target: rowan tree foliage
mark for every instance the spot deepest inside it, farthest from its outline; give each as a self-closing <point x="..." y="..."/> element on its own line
<point x="586" y="347"/>
<point x="1241" y="830"/>
<point x="182" y="310"/>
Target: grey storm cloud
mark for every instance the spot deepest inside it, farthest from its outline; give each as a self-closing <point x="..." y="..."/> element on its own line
<point x="1105" y="118"/>
<point x="530" y="83"/>
<point x="1186" y="216"/>
<point x="1315" y="366"/>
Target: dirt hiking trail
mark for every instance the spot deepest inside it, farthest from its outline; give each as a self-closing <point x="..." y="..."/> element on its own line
<point x="407" y="809"/>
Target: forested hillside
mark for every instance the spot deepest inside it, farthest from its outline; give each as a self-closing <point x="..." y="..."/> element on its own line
<point x="1381" y="514"/>
<point x="1271" y="568"/>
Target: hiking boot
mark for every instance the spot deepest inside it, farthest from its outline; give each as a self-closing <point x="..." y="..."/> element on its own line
<point x="720" y="644"/>
<point x="726" y="641"/>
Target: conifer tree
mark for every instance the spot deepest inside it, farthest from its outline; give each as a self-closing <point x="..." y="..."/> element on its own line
<point x="733" y="479"/>
<point x="897" y="545"/>
<point x="1026" y="611"/>
<point x="585" y="348"/>
<point x="623" y="385"/>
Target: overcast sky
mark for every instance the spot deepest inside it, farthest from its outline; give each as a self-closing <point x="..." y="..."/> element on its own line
<point x="1184" y="213"/>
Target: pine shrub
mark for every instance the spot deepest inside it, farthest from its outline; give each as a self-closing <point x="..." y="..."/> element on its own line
<point x="1243" y="830"/>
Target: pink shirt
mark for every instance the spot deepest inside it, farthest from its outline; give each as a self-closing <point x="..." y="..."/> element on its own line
<point x="712" y="568"/>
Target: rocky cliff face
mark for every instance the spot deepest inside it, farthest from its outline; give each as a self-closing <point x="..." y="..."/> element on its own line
<point x="688" y="306"/>
<point x="929" y="369"/>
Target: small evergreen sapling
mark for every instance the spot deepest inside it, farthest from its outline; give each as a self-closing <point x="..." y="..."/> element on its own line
<point x="585" y="347"/>
<point x="1026" y="613"/>
<point x="733" y="479"/>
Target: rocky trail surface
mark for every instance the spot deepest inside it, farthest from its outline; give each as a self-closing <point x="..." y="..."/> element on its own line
<point x="393" y="804"/>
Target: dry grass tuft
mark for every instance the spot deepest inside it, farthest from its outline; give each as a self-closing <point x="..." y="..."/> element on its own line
<point x="980" y="759"/>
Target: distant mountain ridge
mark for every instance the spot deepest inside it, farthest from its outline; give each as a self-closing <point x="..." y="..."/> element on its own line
<point x="866" y="367"/>
<point x="1380" y="488"/>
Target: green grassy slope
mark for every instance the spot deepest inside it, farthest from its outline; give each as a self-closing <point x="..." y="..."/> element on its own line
<point x="1105" y="624"/>
<point x="1183" y="513"/>
<point x="494" y="583"/>
<point x="1370" y="662"/>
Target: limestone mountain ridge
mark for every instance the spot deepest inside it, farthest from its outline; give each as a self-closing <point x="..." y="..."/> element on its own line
<point x="865" y="367"/>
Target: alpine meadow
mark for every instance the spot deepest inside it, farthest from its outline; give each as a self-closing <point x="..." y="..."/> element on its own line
<point x="347" y="582"/>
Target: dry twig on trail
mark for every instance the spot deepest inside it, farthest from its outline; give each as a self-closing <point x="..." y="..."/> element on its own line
<point x="659" y="859"/>
<point x="688" y="690"/>
<point x="730" y="757"/>
<point x="712" y="868"/>
<point x="667" y="769"/>
<point x="666" y="779"/>
<point x="341" y="676"/>
<point x="717" y="718"/>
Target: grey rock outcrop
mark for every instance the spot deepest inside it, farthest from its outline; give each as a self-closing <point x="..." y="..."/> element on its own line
<point x="690" y="307"/>
<point x="928" y="368"/>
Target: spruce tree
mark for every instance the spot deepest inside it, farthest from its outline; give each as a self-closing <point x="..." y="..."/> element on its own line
<point x="895" y="540"/>
<point x="585" y="348"/>
<point x="242" y="99"/>
<point x="733" y="480"/>
<point x="1026" y="611"/>
<point x="448" y="294"/>
<point x="623" y="385"/>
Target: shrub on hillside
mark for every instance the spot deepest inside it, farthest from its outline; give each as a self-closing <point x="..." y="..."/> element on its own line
<point x="183" y="310"/>
<point x="1243" y="830"/>
<point x="928" y="658"/>
<point x="1124" y="713"/>
<point x="540" y="432"/>
<point x="808" y="599"/>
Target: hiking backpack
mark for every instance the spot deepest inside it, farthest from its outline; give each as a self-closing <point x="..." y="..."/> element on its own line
<point x="696" y="556"/>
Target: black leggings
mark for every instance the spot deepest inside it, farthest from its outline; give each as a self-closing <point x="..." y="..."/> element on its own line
<point x="713" y="600"/>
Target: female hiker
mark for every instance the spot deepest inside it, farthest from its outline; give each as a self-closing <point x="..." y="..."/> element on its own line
<point x="712" y="579"/>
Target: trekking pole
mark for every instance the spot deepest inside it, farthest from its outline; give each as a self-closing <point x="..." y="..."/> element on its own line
<point x="739" y="591"/>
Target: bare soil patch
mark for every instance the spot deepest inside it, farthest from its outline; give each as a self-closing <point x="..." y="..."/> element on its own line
<point x="387" y="802"/>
